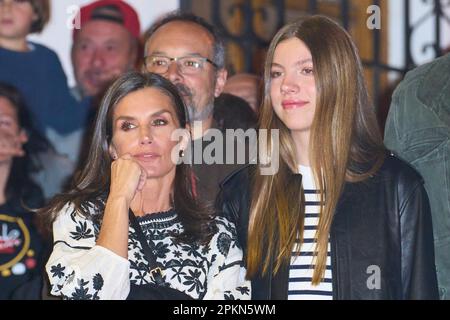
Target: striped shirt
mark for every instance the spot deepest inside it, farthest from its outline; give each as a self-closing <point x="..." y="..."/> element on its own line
<point x="301" y="269"/>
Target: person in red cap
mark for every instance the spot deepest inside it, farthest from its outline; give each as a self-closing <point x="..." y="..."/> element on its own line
<point x="105" y="46"/>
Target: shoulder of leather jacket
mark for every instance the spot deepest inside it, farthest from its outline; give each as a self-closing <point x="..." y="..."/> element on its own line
<point x="396" y="168"/>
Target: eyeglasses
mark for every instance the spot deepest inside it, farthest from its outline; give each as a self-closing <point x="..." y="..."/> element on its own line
<point x="187" y="65"/>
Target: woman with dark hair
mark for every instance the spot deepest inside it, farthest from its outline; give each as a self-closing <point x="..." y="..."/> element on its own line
<point x="342" y="218"/>
<point x="21" y="247"/>
<point x="132" y="177"/>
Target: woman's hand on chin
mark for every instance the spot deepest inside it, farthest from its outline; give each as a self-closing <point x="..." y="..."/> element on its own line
<point x="127" y="178"/>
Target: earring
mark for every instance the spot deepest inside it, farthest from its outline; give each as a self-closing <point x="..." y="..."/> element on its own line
<point x="181" y="154"/>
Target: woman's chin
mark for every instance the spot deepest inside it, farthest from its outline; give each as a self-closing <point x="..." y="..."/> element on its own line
<point x="154" y="172"/>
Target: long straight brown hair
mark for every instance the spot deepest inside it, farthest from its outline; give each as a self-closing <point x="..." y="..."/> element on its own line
<point x="345" y="146"/>
<point x="91" y="186"/>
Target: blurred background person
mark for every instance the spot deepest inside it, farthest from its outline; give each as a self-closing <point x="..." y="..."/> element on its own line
<point x="21" y="246"/>
<point x="105" y="47"/>
<point x="246" y="86"/>
<point x="36" y="72"/>
<point x="418" y="130"/>
<point x="232" y="112"/>
<point x="34" y="69"/>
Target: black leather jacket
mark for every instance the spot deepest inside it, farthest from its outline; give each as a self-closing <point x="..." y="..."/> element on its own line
<point x="384" y="222"/>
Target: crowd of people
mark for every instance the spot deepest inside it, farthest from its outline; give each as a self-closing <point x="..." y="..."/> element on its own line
<point x="108" y="190"/>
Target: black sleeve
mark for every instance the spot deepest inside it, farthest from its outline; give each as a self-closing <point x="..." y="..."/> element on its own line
<point x="419" y="278"/>
<point x="233" y="203"/>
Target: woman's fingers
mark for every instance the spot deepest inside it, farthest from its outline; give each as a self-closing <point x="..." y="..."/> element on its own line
<point x="125" y="177"/>
<point x="142" y="180"/>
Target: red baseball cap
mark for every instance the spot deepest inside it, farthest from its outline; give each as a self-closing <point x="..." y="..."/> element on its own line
<point x="111" y="10"/>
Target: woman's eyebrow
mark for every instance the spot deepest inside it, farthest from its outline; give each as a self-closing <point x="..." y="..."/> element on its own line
<point x="303" y="61"/>
<point x="155" y="114"/>
<point x="160" y="112"/>
<point x="125" y="118"/>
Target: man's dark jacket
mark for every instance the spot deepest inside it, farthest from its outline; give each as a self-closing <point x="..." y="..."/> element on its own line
<point x="381" y="236"/>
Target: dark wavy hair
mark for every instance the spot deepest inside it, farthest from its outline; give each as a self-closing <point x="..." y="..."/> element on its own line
<point x="20" y="187"/>
<point x="91" y="185"/>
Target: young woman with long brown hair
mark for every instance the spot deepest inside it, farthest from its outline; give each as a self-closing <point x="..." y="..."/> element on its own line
<point x="342" y="218"/>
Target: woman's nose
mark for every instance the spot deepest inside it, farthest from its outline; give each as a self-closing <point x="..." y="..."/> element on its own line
<point x="290" y="85"/>
<point x="145" y="136"/>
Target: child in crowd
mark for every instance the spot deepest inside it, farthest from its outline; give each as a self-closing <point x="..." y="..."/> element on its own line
<point x="36" y="72"/>
<point x="33" y="68"/>
<point x="21" y="247"/>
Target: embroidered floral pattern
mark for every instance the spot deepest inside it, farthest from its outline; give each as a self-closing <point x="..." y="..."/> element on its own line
<point x="82" y="231"/>
<point x="82" y="291"/>
<point x="57" y="271"/>
<point x="223" y="243"/>
<point x="185" y="267"/>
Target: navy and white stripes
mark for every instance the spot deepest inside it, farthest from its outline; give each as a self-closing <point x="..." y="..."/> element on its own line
<point x="301" y="269"/>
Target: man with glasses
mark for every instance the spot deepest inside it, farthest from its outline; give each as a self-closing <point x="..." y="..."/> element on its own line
<point x="189" y="52"/>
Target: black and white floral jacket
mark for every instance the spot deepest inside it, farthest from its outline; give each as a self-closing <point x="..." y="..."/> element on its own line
<point x="80" y="269"/>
